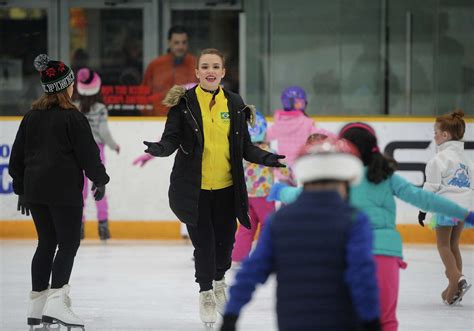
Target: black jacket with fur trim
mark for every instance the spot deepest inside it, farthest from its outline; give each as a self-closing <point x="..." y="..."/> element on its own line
<point x="184" y="132"/>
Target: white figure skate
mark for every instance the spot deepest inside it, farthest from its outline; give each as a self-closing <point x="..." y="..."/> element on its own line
<point x="58" y="310"/>
<point x="463" y="287"/>
<point x="219" y="292"/>
<point x="207" y="308"/>
<point x="36" y="303"/>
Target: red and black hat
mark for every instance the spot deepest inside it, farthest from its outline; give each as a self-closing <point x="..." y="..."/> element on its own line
<point x="55" y="75"/>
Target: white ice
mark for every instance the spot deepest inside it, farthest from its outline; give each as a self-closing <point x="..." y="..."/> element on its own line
<point x="149" y="285"/>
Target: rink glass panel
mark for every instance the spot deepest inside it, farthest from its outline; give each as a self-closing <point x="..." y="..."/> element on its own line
<point x="110" y="41"/>
<point x="23" y="35"/>
<point x="351" y="56"/>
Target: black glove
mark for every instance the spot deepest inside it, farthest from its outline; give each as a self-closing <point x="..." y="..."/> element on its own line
<point x="228" y="322"/>
<point x="271" y="160"/>
<point x="22" y="206"/>
<point x="421" y="218"/>
<point x="154" y="149"/>
<point x="373" y="325"/>
<point x="99" y="192"/>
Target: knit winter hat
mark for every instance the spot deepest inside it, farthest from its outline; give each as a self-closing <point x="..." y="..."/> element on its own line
<point x="55" y="75"/>
<point x="88" y="82"/>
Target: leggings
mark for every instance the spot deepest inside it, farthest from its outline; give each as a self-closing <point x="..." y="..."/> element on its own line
<point x="57" y="227"/>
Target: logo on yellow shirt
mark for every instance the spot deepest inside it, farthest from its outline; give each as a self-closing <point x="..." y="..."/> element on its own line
<point x="225" y="116"/>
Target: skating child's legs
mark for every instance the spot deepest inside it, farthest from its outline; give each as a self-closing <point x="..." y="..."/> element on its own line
<point x="455" y="238"/>
<point x="388" y="275"/>
<point x="244" y="236"/>
<point x="102" y="205"/>
<point x="443" y="239"/>
<point x="263" y="208"/>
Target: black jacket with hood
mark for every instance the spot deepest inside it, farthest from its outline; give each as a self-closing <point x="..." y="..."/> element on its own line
<point x="184" y="132"/>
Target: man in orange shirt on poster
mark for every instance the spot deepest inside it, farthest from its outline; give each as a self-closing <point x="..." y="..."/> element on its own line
<point x="176" y="67"/>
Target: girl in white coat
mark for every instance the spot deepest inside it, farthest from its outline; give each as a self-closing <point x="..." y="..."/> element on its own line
<point x="450" y="174"/>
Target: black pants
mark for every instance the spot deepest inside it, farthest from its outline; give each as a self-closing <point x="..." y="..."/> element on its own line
<point x="57" y="227"/>
<point x="213" y="237"/>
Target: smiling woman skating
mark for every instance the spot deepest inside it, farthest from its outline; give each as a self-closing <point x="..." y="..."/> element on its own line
<point x="208" y="127"/>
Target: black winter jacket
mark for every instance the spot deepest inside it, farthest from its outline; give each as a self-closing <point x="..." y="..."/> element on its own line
<point x="184" y="132"/>
<point x="51" y="151"/>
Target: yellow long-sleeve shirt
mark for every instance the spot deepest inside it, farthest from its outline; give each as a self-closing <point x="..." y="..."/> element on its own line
<point x="216" y="167"/>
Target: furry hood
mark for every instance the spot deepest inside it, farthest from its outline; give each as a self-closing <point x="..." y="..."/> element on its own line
<point x="174" y="95"/>
<point x="177" y="92"/>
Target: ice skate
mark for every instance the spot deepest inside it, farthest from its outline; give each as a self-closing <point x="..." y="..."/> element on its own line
<point x="104" y="232"/>
<point x="207" y="308"/>
<point x="219" y="292"/>
<point x="36" y="303"/>
<point x="463" y="286"/>
<point x="58" y="310"/>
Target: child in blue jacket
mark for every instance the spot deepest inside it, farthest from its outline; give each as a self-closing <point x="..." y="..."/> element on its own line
<point x="375" y="195"/>
<point x="326" y="284"/>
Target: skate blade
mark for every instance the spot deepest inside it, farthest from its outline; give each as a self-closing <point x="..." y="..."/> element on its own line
<point x="47" y="321"/>
<point x="464" y="290"/>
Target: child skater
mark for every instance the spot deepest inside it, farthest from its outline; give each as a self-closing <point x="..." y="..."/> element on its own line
<point x="54" y="146"/>
<point x="291" y="126"/>
<point x="90" y="104"/>
<point x="450" y="174"/>
<point x="326" y="284"/>
<point x="375" y="195"/>
<point x="207" y="125"/>
<point x="259" y="180"/>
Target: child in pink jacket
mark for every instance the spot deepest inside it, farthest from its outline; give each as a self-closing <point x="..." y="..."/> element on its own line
<point x="291" y="125"/>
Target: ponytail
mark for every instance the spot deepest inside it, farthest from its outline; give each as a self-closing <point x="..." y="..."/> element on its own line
<point x="379" y="166"/>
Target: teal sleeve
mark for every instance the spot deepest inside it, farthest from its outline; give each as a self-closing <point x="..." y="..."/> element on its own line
<point x="425" y="200"/>
<point x="290" y="194"/>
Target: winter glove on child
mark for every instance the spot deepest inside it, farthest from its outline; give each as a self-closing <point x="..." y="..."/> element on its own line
<point x="228" y="322"/>
<point x="154" y="149"/>
<point x="275" y="191"/>
<point x="272" y="160"/>
<point x="421" y="218"/>
<point x="99" y="192"/>
<point x="470" y="218"/>
<point x="22" y="206"/>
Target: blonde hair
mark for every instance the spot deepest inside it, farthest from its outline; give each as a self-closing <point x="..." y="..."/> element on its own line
<point x="210" y="51"/>
<point x="48" y="101"/>
<point x="453" y="123"/>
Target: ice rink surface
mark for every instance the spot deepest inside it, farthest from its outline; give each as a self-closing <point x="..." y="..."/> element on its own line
<point x="149" y="285"/>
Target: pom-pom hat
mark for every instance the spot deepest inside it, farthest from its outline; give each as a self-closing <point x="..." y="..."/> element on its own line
<point x="55" y="75"/>
<point x="88" y="82"/>
<point x="331" y="159"/>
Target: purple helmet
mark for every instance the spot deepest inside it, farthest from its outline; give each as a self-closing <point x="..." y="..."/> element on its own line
<point x="294" y="97"/>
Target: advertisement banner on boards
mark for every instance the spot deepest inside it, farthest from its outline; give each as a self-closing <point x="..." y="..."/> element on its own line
<point x="141" y="193"/>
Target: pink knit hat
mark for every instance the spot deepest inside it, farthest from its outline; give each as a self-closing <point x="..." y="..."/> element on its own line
<point x="88" y="82"/>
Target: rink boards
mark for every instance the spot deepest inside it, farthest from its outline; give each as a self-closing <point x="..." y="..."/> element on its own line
<point x="138" y="196"/>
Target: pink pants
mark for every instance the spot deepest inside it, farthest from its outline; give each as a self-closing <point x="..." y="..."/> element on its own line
<point x="388" y="277"/>
<point x="102" y="205"/>
<point x="259" y="209"/>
